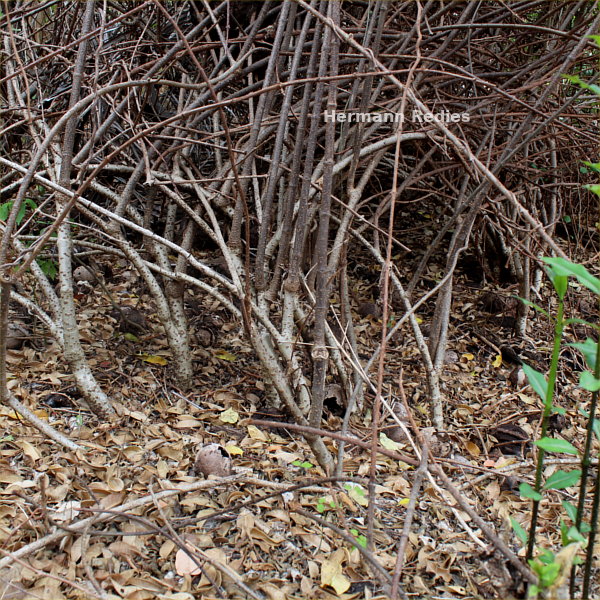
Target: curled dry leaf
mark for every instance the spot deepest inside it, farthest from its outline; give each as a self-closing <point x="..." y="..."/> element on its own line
<point x="213" y="459"/>
<point x="66" y="511"/>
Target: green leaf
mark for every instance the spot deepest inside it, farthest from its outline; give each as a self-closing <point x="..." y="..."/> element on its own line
<point x="560" y="282"/>
<point x="588" y="349"/>
<point x="546" y="556"/>
<point x="361" y="540"/>
<point x="27" y="203"/>
<point x="303" y="464"/>
<point x="594" y="188"/>
<point x="565" y="267"/>
<point x="595" y="424"/>
<point x="559" y="410"/>
<point x="585" y="527"/>
<point x="596" y="38"/>
<point x="582" y="321"/>
<point x="519" y="531"/>
<point x="564" y="533"/>
<point x="357" y="493"/>
<point x="570" y="509"/>
<point x="574" y="535"/>
<point x="5" y="210"/>
<point x="536" y="380"/>
<point x="548" y="574"/>
<point x="588" y="382"/>
<point x="7" y="207"/>
<point x="562" y="479"/>
<point x="593" y="166"/>
<point x="387" y="443"/>
<point x="556" y="445"/>
<point x="582" y="84"/>
<point x="48" y="267"/>
<point x="528" y="492"/>
<point x="325" y="503"/>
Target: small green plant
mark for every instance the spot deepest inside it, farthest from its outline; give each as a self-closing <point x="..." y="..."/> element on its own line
<point x="303" y="464"/>
<point x="357" y="492"/>
<point x="7" y="207"/>
<point x="325" y="503"/>
<point x="361" y="539"/>
<point x="549" y="567"/>
<point x="48" y="267"/>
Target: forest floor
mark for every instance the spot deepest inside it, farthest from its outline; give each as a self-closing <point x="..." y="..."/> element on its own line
<point x="145" y="499"/>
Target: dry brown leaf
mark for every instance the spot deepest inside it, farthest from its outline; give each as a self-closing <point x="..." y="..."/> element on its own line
<point x="332" y="573"/>
<point x="124" y="549"/>
<point x="185" y="565"/>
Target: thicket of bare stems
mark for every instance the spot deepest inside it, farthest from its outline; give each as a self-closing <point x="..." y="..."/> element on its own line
<point x="153" y="132"/>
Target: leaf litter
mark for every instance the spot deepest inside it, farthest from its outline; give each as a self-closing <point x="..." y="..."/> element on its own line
<point x="134" y="509"/>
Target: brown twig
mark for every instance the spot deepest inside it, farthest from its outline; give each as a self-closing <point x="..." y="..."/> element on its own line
<point x="408" y="518"/>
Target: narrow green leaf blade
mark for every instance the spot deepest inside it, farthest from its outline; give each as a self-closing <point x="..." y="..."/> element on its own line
<point x="570" y="509"/>
<point x="560" y="283"/>
<point x="588" y="349"/>
<point x="519" y="531"/>
<point x="562" y="266"/>
<point x="532" y="305"/>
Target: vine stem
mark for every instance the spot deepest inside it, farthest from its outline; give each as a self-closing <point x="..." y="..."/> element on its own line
<point x="558" y="330"/>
